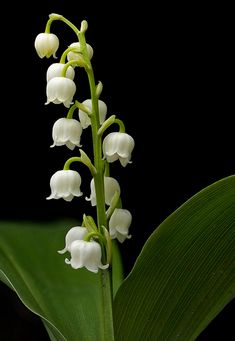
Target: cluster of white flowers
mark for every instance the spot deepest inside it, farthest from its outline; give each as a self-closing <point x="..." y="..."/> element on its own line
<point x="83" y="242"/>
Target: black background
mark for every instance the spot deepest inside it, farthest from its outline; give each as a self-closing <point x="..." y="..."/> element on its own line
<point x="167" y="72"/>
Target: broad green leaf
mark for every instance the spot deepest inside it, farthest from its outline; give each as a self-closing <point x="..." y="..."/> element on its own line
<point x="69" y="301"/>
<point x="185" y="273"/>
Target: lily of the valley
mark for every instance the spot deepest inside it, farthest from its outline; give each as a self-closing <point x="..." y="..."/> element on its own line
<point x="111" y="186"/>
<point x="119" y="224"/>
<point x="118" y="146"/>
<point x="85" y="119"/>
<point x="46" y="44"/>
<point x="72" y="55"/>
<point x="55" y="70"/>
<point x="60" y="90"/>
<point x="86" y="254"/>
<point x="75" y="233"/>
<point x="65" y="184"/>
<point x="67" y="131"/>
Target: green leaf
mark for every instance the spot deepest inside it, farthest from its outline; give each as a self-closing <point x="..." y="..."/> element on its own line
<point x="69" y="301"/>
<point x="117" y="268"/>
<point x="185" y="273"/>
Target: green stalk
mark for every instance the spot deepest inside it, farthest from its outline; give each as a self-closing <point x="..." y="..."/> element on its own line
<point x="96" y="140"/>
<point x="107" y="304"/>
<point x="100" y="195"/>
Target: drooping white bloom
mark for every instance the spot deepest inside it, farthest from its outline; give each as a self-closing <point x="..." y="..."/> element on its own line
<point x="55" y="70"/>
<point x="46" y="44"/>
<point x="86" y="254"/>
<point x="75" y="55"/>
<point x="66" y="131"/>
<point x="118" y="146"/>
<point x="111" y="186"/>
<point x="65" y="184"/>
<point x="119" y="224"/>
<point x="60" y="90"/>
<point x="85" y="119"/>
<point x="75" y="233"/>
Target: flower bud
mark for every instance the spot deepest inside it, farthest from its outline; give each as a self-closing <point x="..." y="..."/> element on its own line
<point x="99" y="89"/>
<point x="84" y="26"/>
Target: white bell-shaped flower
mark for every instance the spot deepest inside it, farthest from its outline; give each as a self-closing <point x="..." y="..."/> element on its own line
<point x="119" y="224"/>
<point x="75" y="233"/>
<point x="65" y="184"/>
<point x="55" y="70"/>
<point x="72" y="55"/>
<point x="60" y="90"/>
<point x="66" y="131"/>
<point x="111" y="186"/>
<point x="118" y="146"/>
<point x="86" y="254"/>
<point x="46" y="44"/>
<point x="85" y="119"/>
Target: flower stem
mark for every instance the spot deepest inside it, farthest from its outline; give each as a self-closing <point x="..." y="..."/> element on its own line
<point x="106" y="279"/>
<point x="96" y="140"/>
<point x="107" y="304"/>
<point x="55" y="16"/>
